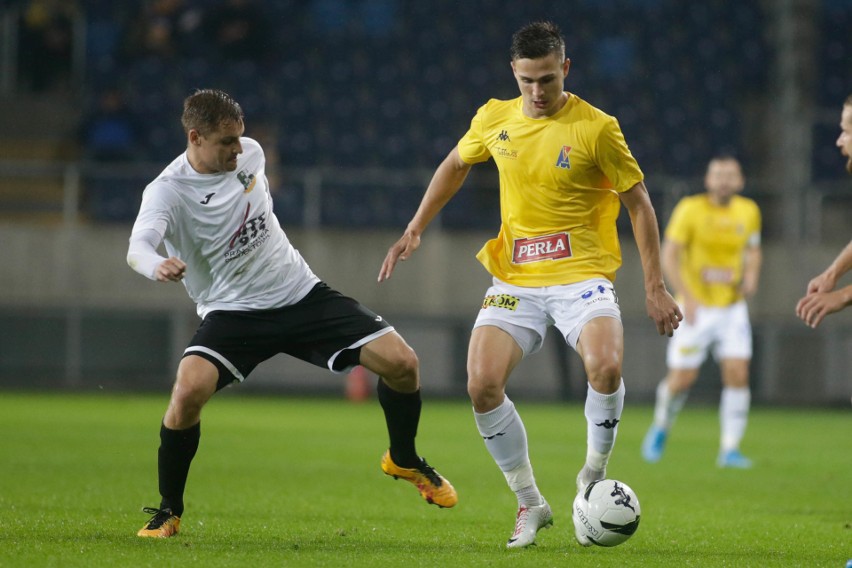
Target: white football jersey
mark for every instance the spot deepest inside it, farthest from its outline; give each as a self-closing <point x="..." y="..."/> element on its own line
<point x="221" y="225"/>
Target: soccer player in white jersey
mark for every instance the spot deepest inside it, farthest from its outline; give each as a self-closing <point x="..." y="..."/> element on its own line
<point x="821" y="298"/>
<point x="257" y="297"/>
<point x="712" y="258"/>
<point x="565" y="168"/>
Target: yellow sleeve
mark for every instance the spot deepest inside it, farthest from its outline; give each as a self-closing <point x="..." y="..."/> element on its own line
<point x="472" y="148"/>
<point x="614" y="157"/>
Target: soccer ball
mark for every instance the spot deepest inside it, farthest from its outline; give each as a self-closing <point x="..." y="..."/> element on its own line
<point x="607" y="512"/>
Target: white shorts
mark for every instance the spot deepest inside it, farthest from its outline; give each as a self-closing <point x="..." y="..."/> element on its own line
<point x="727" y="330"/>
<point x="525" y="313"/>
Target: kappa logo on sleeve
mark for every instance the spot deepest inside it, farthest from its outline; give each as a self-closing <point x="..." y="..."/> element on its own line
<point x="548" y="247"/>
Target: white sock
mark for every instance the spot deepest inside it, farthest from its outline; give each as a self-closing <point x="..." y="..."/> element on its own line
<point x="506" y="440"/>
<point x="603" y="412"/>
<point x="733" y="416"/>
<point x="668" y="405"/>
<point x="529" y="496"/>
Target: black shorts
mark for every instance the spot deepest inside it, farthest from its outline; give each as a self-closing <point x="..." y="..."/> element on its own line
<point x="324" y="328"/>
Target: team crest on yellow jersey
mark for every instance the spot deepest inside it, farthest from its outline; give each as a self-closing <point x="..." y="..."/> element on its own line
<point x="562" y="161"/>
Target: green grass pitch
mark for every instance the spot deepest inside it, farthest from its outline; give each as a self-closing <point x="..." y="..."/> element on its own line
<point x="296" y="482"/>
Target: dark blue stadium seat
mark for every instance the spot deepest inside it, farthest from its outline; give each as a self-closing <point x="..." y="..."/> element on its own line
<point x="394" y="84"/>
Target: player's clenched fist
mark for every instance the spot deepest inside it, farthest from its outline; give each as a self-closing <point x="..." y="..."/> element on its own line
<point x="171" y="270"/>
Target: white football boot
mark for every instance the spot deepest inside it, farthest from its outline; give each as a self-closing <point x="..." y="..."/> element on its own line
<point x="586" y="476"/>
<point x="530" y="520"/>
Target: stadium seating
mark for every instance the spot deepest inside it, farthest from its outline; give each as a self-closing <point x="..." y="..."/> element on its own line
<point x="394" y="84"/>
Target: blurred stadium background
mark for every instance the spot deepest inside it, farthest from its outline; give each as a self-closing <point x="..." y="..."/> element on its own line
<point x="356" y="102"/>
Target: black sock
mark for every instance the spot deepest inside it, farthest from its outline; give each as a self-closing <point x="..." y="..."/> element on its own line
<point x="177" y="448"/>
<point x="402" y="414"/>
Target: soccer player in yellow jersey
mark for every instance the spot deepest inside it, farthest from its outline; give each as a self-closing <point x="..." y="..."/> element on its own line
<point x="565" y="169"/>
<point x="711" y="258"/>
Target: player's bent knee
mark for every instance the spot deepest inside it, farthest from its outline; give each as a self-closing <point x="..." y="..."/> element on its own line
<point x="195" y="384"/>
<point x="735" y="373"/>
<point x="408" y="361"/>
<point x="391" y="357"/>
<point x="736" y="381"/>
<point x="485" y="396"/>
<point x="403" y="365"/>
<point x="400" y="367"/>
<point x="605" y="377"/>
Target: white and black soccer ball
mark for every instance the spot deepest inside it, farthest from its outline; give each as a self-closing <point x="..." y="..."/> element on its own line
<point x="607" y="512"/>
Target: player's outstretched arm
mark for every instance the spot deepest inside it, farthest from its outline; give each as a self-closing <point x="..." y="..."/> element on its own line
<point x="827" y="280"/>
<point x="142" y="257"/>
<point x="660" y="305"/>
<point x="813" y="308"/>
<point x="400" y="250"/>
<point x="446" y="181"/>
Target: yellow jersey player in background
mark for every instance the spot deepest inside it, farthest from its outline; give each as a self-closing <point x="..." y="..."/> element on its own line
<point x="711" y="258"/>
<point x="565" y="169"/>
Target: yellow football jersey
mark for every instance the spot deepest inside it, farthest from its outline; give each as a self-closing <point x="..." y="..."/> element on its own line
<point x="559" y="182"/>
<point x="714" y="239"/>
